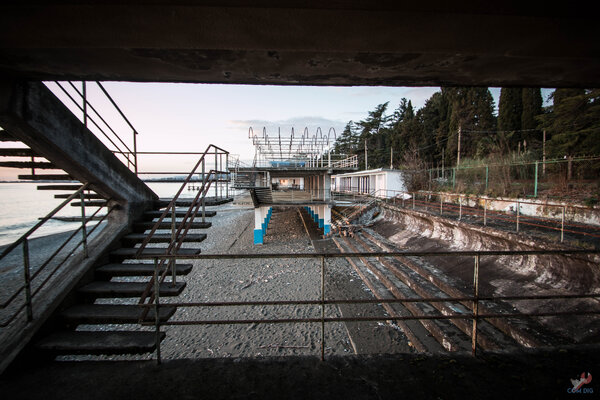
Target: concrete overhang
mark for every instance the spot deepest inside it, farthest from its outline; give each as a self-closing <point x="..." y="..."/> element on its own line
<point x="356" y="42"/>
<point x="278" y="172"/>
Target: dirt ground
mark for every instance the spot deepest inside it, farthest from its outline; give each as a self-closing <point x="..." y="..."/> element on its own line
<point x="504" y="276"/>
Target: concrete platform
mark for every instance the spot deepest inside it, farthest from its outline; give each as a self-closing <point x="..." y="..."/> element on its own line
<point x="532" y="374"/>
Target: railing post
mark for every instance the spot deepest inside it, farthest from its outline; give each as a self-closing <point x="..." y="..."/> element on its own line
<point x="414" y="200"/>
<point x="322" y="308"/>
<point x="518" y="214"/>
<point x="83" y="228"/>
<point x="459" y="208"/>
<point x="84" y="97"/>
<point x="475" y="305"/>
<point x="535" y="186"/>
<point x="562" y="225"/>
<point x="156" y="310"/>
<point x="485" y="212"/>
<point x="227" y="181"/>
<point x="441" y="205"/>
<point x="135" y="159"/>
<point x="173" y="246"/>
<point x="27" y="275"/>
<point x="216" y="183"/>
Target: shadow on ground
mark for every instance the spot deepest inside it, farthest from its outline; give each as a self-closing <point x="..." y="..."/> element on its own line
<point x="532" y="374"/>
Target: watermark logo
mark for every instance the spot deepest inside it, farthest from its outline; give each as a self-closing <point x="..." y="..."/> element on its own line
<point x="579" y="383"/>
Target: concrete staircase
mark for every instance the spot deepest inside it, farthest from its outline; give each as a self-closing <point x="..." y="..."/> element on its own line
<point x="104" y="314"/>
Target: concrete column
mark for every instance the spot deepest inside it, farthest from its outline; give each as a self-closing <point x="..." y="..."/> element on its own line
<point x="258" y="229"/>
<point x="262" y="217"/>
<point x="326" y="187"/>
<point x="320" y="214"/>
<point x="326" y="220"/>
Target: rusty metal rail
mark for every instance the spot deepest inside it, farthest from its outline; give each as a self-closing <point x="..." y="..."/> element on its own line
<point x="180" y="230"/>
<point x="27" y="287"/>
<point x="474" y="315"/>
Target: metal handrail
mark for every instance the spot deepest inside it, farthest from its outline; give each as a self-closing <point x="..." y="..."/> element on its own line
<point x="178" y="234"/>
<point x="127" y="152"/>
<point x="23" y="240"/>
<point x="477" y="312"/>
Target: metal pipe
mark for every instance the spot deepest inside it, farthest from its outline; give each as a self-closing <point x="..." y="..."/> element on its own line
<point x="156" y="311"/>
<point x="173" y="240"/>
<point x="562" y="225"/>
<point x="475" y="305"/>
<point x="83" y="227"/>
<point x="322" y="308"/>
<point x="485" y="212"/>
<point x="27" y="275"/>
<point x="518" y="214"/>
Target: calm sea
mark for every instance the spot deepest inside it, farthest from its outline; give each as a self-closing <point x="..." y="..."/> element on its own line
<point x="21" y="205"/>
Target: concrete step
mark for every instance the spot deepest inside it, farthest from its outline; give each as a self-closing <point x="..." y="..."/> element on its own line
<point x="99" y="203"/>
<point x="178" y="214"/>
<point x="127" y="252"/>
<point x="103" y="289"/>
<point x="146" y="226"/>
<point x="28" y="164"/>
<point x="110" y="270"/>
<point x="88" y="196"/>
<point x="134" y="238"/>
<point x="47" y="177"/>
<point x="209" y="201"/>
<point x="72" y="188"/>
<point x="100" y="342"/>
<point x="113" y="313"/>
<point x="17" y="153"/>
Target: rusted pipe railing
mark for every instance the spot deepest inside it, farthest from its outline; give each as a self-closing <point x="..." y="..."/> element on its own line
<point x="322" y="302"/>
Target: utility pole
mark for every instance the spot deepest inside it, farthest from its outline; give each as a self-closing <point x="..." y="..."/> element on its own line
<point x="458" y="148"/>
<point x="366" y="158"/>
<point x="391" y="158"/>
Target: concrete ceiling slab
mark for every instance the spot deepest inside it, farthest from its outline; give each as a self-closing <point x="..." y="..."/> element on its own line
<point x="303" y="42"/>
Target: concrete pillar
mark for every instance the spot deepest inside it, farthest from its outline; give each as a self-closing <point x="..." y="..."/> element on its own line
<point x="326" y="187"/>
<point x="320" y="214"/>
<point x="326" y="220"/>
<point x="262" y="217"/>
<point x="258" y="230"/>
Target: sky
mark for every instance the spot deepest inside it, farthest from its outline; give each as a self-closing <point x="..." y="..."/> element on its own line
<point x="189" y="117"/>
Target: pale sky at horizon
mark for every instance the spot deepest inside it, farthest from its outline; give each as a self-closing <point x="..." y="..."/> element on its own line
<point x="189" y="117"/>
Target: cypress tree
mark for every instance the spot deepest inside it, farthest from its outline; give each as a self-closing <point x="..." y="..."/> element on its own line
<point x="510" y="109"/>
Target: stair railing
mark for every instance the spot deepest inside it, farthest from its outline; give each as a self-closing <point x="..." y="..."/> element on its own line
<point x="83" y="104"/>
<point x="180" y="230"/>
<point x="28" y="276"/>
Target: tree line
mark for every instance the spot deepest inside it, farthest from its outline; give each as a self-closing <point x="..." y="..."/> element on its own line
<point x="429" y="137"/>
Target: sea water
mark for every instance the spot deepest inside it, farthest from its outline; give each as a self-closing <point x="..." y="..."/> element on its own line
<point x="21" y="206"/>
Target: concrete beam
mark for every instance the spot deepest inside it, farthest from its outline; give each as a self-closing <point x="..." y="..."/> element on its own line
<point x="34" y="115"/>
<point x="357" y="42"/>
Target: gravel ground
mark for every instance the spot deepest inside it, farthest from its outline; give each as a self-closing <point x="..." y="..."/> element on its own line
<point x="253" y="280"/>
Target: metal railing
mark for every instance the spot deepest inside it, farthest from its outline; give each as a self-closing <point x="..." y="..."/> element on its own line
<point x="180" y="229"/>
<point x="483" y="206"/>
<point x="474" y="300"/>
<point x="28" y="276"/>
<point x="102" y="128"/>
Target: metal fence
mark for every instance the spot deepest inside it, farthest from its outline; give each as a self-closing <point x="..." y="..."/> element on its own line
<point x="323" y="301"/>
<point x="548" y="178"/>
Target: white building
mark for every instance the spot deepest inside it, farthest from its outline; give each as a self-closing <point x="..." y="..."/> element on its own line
<point x="377" y="182"/>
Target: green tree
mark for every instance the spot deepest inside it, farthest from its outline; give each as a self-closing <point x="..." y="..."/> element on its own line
<point x="532" y="107"/>
<point x="510" y="110"/>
